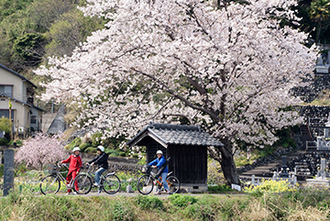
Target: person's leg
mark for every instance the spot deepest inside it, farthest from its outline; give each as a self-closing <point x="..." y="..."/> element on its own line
<point x="164" y="175"/>
<point x="68" y="179"/>
<point x="98" y="175"/>
<point x="74" y="174"/>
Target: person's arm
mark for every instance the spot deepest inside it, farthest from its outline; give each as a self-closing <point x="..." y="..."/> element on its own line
<point x="67" y="160"/>
<point x="154" y="162"/>
<point x="161" y="162"/>
<point x="80" y="164"/>
<point x="101" y="158"/>
<point x="94" y="159"/>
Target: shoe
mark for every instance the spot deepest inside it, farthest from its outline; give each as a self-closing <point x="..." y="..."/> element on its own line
<point x="168" y="192"/>
<point x="95" y="185"/>
<point x="74" y="193"/>
<point x="158" y="193"/>
<point x="69" y="193"/>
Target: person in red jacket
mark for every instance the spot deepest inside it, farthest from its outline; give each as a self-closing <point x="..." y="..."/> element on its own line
<point x="75" y="165"/>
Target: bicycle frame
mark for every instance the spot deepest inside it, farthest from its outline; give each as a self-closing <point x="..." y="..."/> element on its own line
<point x="52" y="182"/>
<point x="109" y="182"/>
<point x="63" y="179"/>
<point x="159" y="181"/>
<point x="91" y="174"/>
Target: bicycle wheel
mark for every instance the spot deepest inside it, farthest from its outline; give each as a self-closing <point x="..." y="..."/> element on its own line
<point x="50" y="184"/>
<point x="84" y="183"/>
<point x="173" y="184"/>
<point x="111" y="184"/>
<point x="145" y="184"/>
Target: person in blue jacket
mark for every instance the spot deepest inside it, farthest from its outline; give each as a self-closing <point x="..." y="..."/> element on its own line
<point x="158" y="163"/>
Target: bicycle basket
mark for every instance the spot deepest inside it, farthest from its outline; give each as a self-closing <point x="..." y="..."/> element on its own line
<point x="146" y="169"/>
<point x="52" y="169"/>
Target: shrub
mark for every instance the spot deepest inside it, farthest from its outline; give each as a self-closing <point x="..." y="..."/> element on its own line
<point x="83" y="146"/>
<point x="108" y="151"/>
<point x="114" y="153"/>
<point x="96" y="139"/>
<point x="310" y="213"/>
<point x="182" y="200"/>
<point x="127" y="178"/>
<point x="3" y="141"/>
<point x="271" y="186"/>
<point x="1" y="170"/>
<point x="90" y="150"/>
<point x="142" y="161"/>
<point x="122" y="211"/>
<point x="310" y="204"/>
<point x="75" y="143"/>
<point x="257" y="211"/>
<point x="20" y="169"/>
<point x="19" y="143"/>
<point x="214" y="173"/>
<point x="219" y="188"/>
<point x="311" y="197"/>
<point x="149" y="202"/>
<point x="205" y="208"/>
<point x="5" y="124"/>
<point x="122" y="154"/>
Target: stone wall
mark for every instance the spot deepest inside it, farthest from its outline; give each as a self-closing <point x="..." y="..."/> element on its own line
<point x="116" y="163"/>
<point x="314" y="112"/>
<point x="309" y="93"/>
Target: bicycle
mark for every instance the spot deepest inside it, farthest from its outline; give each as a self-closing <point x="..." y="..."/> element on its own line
<point x="146" y="182"/>
<point x="110" y="183"/>
<point x="52" y="182"/>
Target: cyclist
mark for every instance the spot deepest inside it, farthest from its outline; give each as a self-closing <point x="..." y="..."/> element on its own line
<point x="160" y="164"/>
<point x="74" y="168"/>
<point x="102" y="161"/>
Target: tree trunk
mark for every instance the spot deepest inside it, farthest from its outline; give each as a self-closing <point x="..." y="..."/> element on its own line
<point x="227" y="164"/>
<point x="318" y="31"/>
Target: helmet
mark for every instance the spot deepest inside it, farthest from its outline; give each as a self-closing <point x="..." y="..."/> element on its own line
<point x="159" y="152"/>
<point x="75" y="149"/>
<point x="101" y="148"/>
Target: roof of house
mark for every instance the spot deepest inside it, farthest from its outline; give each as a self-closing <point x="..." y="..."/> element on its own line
<point x="18" y="75"/>
<point x="167" y="134"/>
<point x="21" y="102"/>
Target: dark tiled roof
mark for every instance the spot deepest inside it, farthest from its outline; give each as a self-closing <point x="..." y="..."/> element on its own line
<point x="176" y="134"/>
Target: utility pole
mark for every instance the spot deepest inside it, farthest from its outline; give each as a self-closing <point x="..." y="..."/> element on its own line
<point x="11" y="127"/>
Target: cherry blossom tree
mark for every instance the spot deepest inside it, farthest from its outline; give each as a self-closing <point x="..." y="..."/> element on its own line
<point x="40" y="150"/>
<point x="229" y="68"/>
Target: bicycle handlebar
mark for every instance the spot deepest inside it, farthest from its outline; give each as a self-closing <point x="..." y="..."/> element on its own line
<point x="62" y="165"/>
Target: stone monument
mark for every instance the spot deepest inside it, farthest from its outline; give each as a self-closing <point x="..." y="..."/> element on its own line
<point x="8" y="176"/>
<point x="321" y="179"/>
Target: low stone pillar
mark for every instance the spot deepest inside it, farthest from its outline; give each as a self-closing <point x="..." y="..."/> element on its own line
<point x="253" y="180"/>
<point x="129" y="189"/>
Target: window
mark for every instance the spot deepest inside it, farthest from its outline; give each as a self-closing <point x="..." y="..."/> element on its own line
<point x="33" y="119"/>
<point x="6" y="90"/>
<point x="5" y="113"/>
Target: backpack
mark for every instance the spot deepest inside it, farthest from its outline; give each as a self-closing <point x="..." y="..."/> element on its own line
<point x="162" y="168"/>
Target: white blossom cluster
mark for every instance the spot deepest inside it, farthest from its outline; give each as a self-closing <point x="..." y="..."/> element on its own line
<point x="229" y="69"/>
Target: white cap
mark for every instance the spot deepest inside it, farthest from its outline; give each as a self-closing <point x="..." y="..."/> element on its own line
<point x="101" y="148"/>
<point x="75" y="149"/>
<point x="159" y="152"/>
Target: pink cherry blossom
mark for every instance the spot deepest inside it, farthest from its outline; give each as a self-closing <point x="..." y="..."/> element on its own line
<point x="40" y="150"/>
